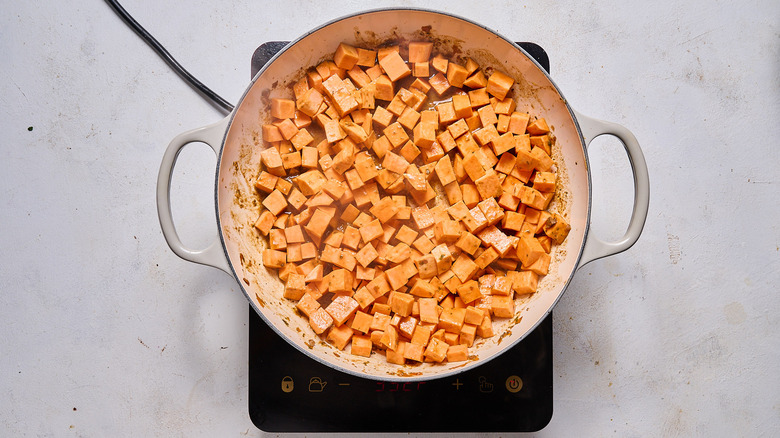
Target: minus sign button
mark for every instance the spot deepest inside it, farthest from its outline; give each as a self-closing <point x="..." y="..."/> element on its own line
<point x="344" y="384"/>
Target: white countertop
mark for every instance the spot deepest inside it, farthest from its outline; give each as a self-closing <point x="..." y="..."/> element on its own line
<point x="107" y="333"/>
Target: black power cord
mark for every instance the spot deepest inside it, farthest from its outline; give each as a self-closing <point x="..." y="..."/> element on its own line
<point x="178" y="68"/>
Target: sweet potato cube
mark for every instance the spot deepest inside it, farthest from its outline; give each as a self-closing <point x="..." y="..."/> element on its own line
<point x="307" y="305"/>
<point x="340" y="282"/>
<point x="413" y="352"/>
<point x="396" y="356"/>
<point x="446" y="113"/>
<point x="384" y="210"/>
<point x="538" y="127"/>
<point x="447" y="231"/>
<point x="361" y="346"/>
<point x="502" y="286"/>
<point x="492" y="211"/>
<point x="310" y="182"/>
<point x="499" y="84"/>
<point x="396" y="277"/>
<point x="466" y="336"/>
<point x="487" y="116"/>
<point x="468" y="243"/>
<point x="476" y="80"/>
<point x="451" y="320"/>
<point x="318" y="224"/>
<point x="462" y="105"/>
<point x="422" y="334"/>
<point x="366" y="58"/>
<point x="371" y="231"/>
<point x="339" y="336"/>
<point x="266" y="182"/>
<point x="271" y="133"/>
<point x="457" y="353"/>
<point x="439" y="83"/>
<point x="423" y="244"/>
<point x="310" y="101"/>
<point x="541" y="266"/>
<point x="525" y="282"/>
<point x="443" y="257"/>
<point x="320" y="321"/>
<point x="529" y="250"/>
<point x="473" y="316"/>
<point x="543" y="142"/>
<point x="495" y="238"/>
<point x="445" y="139"/>
<point x="468" y="292"/>
<point x="423" y="289"/>
<point x="342" y="308"/>
<point x="399" y="253"/>
<point x="406" y="326"/>
<point x="275" y="202"/>
<point x="390" y="338"/>
<point x="488" y="185"/>
<point x="406" y="234"/>
<point x="397" y="136"/>
<point x="464" y="268"/>
<point x="544" y="181"/>
<point x="504" y="143"/>
<point x="346" y="56"/>
<point x="502" y="306"/>
<point x="424" y="135"/>
<point x="473" y="167"/>
<point x="282" y="108"/>
<point x="557" y="228"/>
<point x="513" y="221"/>
<point x="456" y="74"/>
<point x="420" y="51"/>
<point x="394" y="66"/>
<point x="272" y="160"/>
<point x="294" y="287"/>
<point x="436" y="350"/>
<point x="363" y="297"/>
<point x="294" y="234"/>
<point x="265" y="222"/>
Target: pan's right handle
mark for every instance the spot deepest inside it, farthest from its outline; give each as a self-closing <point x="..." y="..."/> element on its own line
<point x="213" y="255"/>
<point x="596" y="248"/>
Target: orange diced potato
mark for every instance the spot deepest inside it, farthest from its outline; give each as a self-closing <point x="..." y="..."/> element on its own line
<point x="457" y="353"/>
<point x="436" y="350"/>
<point x="320" y="321"/>
<point x="265" y="222"/>
<point x="456" y="74"/>
<point x="340" y="336"/>
<point x="465" y="268"/>
<point x="488" y="185"/>
<point x="282" y="108"/>
<point x="502" y="306"/>
<point x="499" y="84"/>
<point x="307" y="305"/>
<point x="469" y="291"/>
<point x="390" y="337"/>
<point x="451" y="320"/>
<point x="413" y="352"/>
<point x="467" y="335"/>
<point x="557" y="228"/>
<point x="275" y="202"/>
<point x="394" y="66"/>
<point x="342" y="308"/>
<point x="439" y="83"/>
<point x="361" y="346"/>
<point x="345" y="57"/>
<point x="420" y="51"/>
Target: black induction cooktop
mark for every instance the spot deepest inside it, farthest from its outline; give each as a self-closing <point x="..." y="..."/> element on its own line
<point x="290" y="392"/>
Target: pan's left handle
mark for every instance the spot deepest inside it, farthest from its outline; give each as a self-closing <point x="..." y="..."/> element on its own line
<point x="213" y="255"/>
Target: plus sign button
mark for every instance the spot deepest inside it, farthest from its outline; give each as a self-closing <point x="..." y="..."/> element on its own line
<point x="514" y="384"/>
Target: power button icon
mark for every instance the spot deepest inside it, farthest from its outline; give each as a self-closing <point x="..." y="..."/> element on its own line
<point x="514" y="384"/>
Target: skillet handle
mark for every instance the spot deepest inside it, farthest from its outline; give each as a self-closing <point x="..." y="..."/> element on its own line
<point x="213" y="255"/>
<point x="596" y="248"/>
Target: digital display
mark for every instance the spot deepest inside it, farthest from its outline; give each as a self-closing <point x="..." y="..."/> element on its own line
<point x="398" y="387"/>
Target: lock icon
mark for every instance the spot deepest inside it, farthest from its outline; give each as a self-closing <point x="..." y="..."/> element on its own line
<point x="287" y="384"/>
